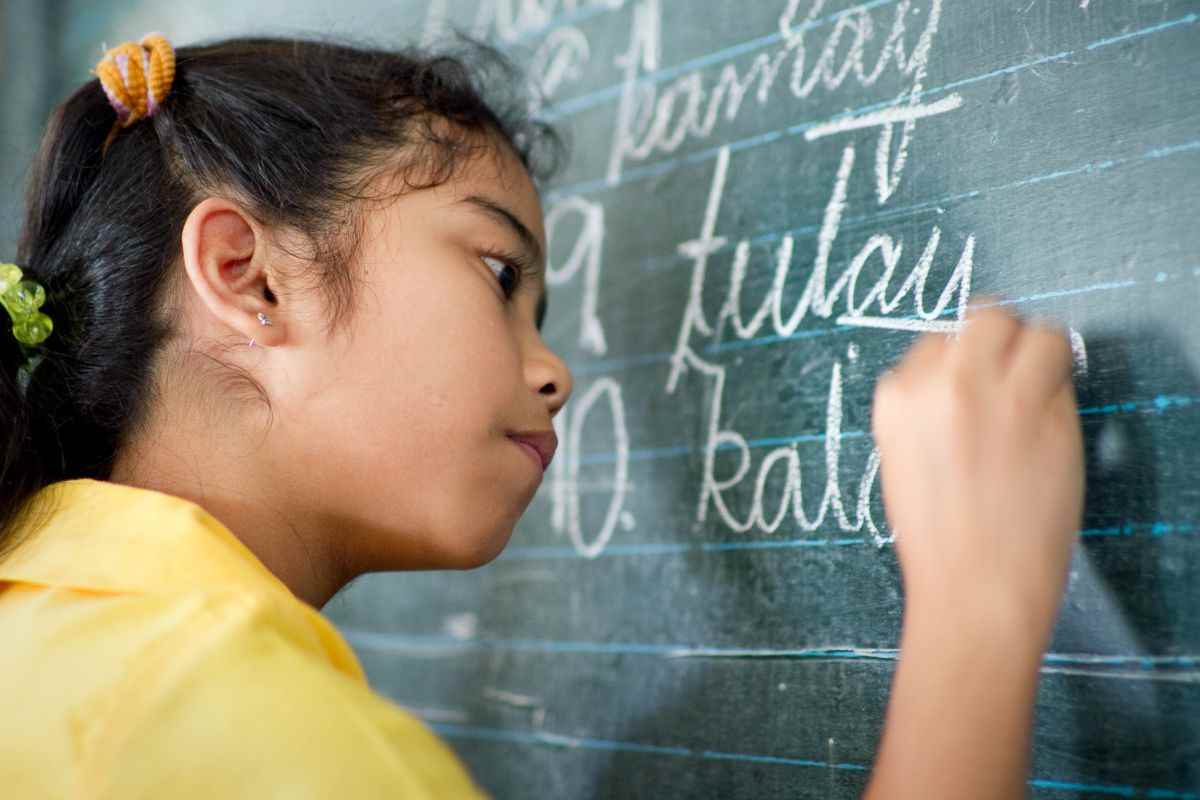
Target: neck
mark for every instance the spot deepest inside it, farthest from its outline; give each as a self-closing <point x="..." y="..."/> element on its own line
<point x="245" y="492"/>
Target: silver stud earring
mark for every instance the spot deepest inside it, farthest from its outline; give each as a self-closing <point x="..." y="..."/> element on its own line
<point x="262" y="320"/>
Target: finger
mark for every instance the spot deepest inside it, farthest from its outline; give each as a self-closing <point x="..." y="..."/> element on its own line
<point x="1042" y="363"/>
<point x="923" y="357"/>
<point x="990" y="337"/>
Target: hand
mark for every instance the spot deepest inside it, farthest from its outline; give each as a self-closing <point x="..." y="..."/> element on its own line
<point x="982" y="472"/>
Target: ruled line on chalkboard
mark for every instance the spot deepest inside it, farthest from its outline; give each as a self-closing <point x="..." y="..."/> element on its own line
<point x="544" y="738"/>
<point x="540" y="737"/>
<point x="817" y="654"/>
<point x="841" y="327"/>
<point x="1162" y="677"/>
<point x="1114" y="790"/>
<point x="1187" y="19"/>
<point x="581" y="102"/>
<point x="1158" y="404"/>
<point x="609" y="366"/>
<point x="648" y="453"/>
<point x="436" y="714"/>
<point x="1083" y="664"/>
<point x="669" y="164"/>
<point x="1162" y="402"/>
<point x="1155" y="529"/>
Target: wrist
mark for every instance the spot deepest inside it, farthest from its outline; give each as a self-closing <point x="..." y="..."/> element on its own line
<point x="996" y="626"/>
<point x="960" y="713"/>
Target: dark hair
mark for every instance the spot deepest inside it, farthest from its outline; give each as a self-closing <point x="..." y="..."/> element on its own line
<point x="294" y="130"/>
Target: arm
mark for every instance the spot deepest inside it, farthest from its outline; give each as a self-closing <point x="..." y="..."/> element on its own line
<point x="981" y="463"/>
<point x="960" y="712"/>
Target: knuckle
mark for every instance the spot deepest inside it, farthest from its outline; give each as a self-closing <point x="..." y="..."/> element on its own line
<point x="1048" y="333"/>
<point x="981" y="305"/>
<point x="1053" y="346"/>
<point x="994" y="315"/>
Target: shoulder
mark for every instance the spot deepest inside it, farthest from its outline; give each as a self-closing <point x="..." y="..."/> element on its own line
<point x="238" y="701"/>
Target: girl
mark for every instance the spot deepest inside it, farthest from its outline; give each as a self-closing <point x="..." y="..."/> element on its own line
<point x="292" y="295"/>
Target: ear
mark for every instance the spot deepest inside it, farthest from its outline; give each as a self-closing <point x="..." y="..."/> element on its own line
<point x="225" y="259"/>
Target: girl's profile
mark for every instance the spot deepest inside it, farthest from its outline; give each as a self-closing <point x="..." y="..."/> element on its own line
<point x="294" y="291"/>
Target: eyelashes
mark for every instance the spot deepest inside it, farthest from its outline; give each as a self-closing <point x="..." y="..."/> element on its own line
<point x="510" y="270"/>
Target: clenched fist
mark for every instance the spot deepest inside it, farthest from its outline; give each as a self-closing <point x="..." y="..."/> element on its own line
<point x="982" y="469"/>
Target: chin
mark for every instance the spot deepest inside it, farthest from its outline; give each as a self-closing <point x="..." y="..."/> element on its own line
<point x="479" y="550"/>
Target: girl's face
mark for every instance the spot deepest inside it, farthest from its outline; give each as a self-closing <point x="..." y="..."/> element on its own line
<point x="402" y="431"/>
<point x="388" y="444"/>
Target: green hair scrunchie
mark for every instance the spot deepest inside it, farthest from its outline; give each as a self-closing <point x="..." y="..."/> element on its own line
<point x="22" y="299"/>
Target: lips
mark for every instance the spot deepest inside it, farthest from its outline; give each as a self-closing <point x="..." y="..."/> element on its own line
<point x="543" y="443"/>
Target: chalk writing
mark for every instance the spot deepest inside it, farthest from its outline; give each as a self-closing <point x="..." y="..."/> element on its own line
<point x="586" y="253"/>
<point x="896" y="296"/>
<point x="649" y="121"/>
<point x="565" y="512"/>
<point x="712" y="490"/>
<point x="559" y="58"/>
<point x="819" y="299"/>
<point x="694" y="322"/>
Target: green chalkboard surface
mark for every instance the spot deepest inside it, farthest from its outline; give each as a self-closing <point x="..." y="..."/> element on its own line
<point x="766" y="201"/>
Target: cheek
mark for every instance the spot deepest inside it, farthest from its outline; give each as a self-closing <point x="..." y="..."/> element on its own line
<point x="416" y="461"/>
<point x="464" y="375"/>
<point x="410" y="429"/>
<point x="448" y="344"/>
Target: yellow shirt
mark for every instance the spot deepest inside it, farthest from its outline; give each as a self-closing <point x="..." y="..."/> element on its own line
<point x="146" y="652"/>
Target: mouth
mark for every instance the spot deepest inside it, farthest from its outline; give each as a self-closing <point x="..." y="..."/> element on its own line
<point x="540" y="445"/>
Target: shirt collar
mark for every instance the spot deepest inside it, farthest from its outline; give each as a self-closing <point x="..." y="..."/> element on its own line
<point x="104" y="536"/>
<point x="111" y="537"/>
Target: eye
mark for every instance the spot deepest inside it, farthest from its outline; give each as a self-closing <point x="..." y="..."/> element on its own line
<point x="506" y="273"/>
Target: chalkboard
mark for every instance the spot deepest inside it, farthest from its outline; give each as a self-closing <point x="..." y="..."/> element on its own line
<point x="767" y="200"/>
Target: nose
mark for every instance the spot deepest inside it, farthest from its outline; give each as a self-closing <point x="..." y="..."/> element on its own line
<point x="547" y="375"/>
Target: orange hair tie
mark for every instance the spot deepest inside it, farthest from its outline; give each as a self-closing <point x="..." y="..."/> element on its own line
<point x="136" y="77"/>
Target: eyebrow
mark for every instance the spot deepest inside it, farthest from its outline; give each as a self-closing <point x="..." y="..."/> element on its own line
<point x="528" y="240"/>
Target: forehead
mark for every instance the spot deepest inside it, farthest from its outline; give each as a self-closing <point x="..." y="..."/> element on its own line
<point x="491" y="181"/>
<point x="498" y="174"/>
